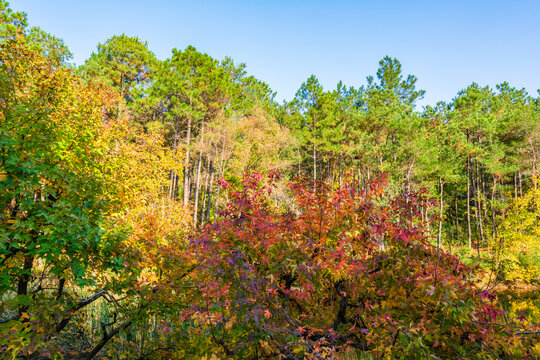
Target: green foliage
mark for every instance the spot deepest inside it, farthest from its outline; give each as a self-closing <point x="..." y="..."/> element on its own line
<point x="55" y="190"/>
<point x="50" y="46"/>
<point x="123" y="62"/>
<point x="12" y="23"/>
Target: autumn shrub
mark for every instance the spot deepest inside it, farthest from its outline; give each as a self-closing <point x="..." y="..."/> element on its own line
<point x="348" y="272"/>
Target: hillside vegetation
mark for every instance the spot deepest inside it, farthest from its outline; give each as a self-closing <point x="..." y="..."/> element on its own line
<point x="174" y="210"/>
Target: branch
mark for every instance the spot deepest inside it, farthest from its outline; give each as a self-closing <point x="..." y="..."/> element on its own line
<point x="528" y="333"/>
<point x="106" y="338"/>
<point x="79" y="306"/>
<point x="495" y="324"/>
<point x="340" y="316"/>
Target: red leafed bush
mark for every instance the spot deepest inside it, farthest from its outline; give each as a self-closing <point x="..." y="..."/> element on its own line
<point x="350" y="271"/>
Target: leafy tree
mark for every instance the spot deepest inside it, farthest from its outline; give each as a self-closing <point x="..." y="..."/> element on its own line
<point x="439" y="159"/>
<point x="184" y="83"/>
<point x="344" y="273"/>
<point x="12" y="23"/>
<point x="307" y="114"/>
<point x="123" y="62"/>
<point x="56" y="192"/>
<point x="51" y="47"/>
<point x="519" y="239"/>
<point x="391" y="80"/>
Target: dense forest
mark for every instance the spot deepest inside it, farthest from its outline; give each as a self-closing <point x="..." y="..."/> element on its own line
<point x="175" y="210"/>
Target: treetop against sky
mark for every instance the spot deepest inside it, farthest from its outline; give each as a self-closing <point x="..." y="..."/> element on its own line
<point x="447" y="45"/>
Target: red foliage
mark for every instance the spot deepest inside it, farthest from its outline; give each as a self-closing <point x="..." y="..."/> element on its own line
<point x="350" y="269"/>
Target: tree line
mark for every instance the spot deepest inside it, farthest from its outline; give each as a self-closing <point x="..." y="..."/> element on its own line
<point x="475" y="154"/>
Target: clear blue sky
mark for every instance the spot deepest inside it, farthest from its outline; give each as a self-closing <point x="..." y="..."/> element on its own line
<point x="446" y="44"/>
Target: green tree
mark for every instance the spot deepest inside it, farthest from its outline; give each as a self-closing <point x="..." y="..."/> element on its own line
<point x="56" y="191"/>
<point x="50" y="46"/>
<point x="123" y="62"/>
<point x="305" y="116"/>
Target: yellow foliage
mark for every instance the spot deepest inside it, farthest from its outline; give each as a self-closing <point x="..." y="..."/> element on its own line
<point x="519" y="238"/>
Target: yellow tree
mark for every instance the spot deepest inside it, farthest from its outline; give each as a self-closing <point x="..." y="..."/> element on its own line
<point x="519" y="238"/>
<point x="56" y="194"/>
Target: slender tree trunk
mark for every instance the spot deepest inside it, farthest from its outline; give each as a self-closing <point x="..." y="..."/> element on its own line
<point x="24" y="280"/>
<point x="325" y="174"/>
<point x="204" y="203"/>
<point x="469" y="202"/>
<point x="340" y="168"/>
<point x="197" y="187"/>
<point x="493" y="226"/>
<point x="423" y="215"/>
<point x="299" y="163"/>
<point x="216" y="206"/>
<point x="457" y="219"/>
<point x="198" y="178"/>
<point x="485" y="198"/>
<point x="173" y="175"/>
<point x="171" y="185"/>
<point x="476" y="211"/>
<point x="314" y="163"/>
<point x="362" y="178"/>
<point x="441" y="207"/>
<point x="210" y="189"/>
<point x="479" y="206"/>
<point x="221" y="172"/>
<point x="408" y="175"/>
<point x="186" y="163"/>
<point x="428" y="224"/>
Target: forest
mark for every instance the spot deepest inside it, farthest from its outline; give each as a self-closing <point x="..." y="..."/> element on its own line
<point x="176" y="210"/>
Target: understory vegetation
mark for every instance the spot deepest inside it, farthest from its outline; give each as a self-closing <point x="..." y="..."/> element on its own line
<point x="175" y="210"/>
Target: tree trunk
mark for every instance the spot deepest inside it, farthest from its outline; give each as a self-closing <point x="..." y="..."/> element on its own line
<point x="441" y="207"/>
<point x="476" y="216"/>
<point x="340" y="167"/>
<point x="197" y="187"/>
<point x="469" y="202"/>
<point x="485" y="197"/>
<point x="457" y="220"/>
<point x="314" y="163"/>
<point x="314" y="153"/>
<point x="24" y="279"/>
<point x="428" y="223"/>
<point x="204" y="203"/>
<point x="493" y="226"/>
<point x="221" y="172"/>
<point x="198" y="178"/>
<point x="408" y="175"/>
<point x="186" y="163"/>
<point x="173" y="176"/>
<point x="209" y="196"/>
<point x="479" y="207"/>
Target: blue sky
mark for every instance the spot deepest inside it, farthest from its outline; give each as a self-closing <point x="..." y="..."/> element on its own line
<point x="446" y="44"/>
